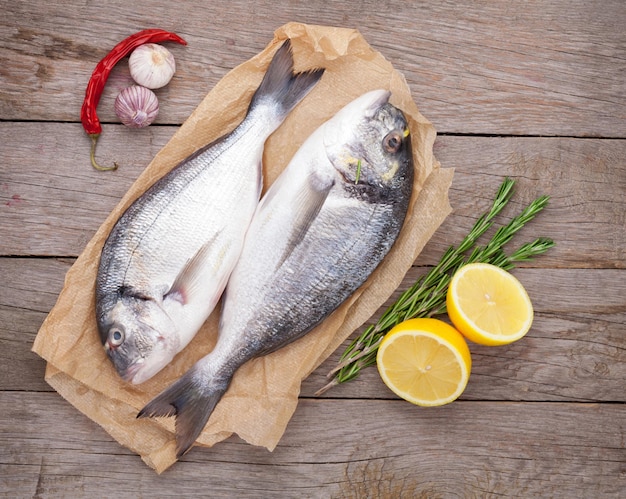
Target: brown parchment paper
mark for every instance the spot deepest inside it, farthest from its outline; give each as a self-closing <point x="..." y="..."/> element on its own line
<point x="264" y="392"/>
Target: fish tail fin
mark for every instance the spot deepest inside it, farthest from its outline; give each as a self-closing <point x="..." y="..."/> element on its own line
<point x="281" y="86"/>
<point x="191" y="403"/>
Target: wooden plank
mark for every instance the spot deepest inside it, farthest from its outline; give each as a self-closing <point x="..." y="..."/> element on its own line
<point x="585" y="179"/>
<point x="30" y="288"/>
<point x="559" y="360"/>
<point x="333" y="449"/>
<point x="525" y="69"/>
<point x="576" y="350"/>
<point x="49" y="188"/>
<point x="542" y="417"/>
<point x="50" y="193"/>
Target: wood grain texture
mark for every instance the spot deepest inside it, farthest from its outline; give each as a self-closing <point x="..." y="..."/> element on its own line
<point x="49" y="187"/>
<point x="29" y="290"/>
<point x="50" y="193"/>
<point x="532" y="90"/>
<point x="530" y="68"/>
<point x="335" y="449"/>
<point x="574" y="352"/>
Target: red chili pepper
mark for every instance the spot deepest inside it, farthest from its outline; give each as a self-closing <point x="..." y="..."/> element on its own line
<point x="100" y="74"/>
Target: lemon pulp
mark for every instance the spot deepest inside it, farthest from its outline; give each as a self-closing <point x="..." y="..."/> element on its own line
<point x="488" y="304"/>
<point x="424" y="361"/>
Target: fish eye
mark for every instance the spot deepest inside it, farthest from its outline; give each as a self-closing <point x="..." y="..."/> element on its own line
<point x="392" y="142"/>
<point x="116" y="337"/>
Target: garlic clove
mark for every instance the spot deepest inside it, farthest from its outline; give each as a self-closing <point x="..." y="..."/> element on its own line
<point x="152" y="65"/>
<point x="136" y="106"/>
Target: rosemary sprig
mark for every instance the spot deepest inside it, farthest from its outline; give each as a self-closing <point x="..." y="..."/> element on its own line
<point x="358" y="172"/>
<point x="427" y="297"/>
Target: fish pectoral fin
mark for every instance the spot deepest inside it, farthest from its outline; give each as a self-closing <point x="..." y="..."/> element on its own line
<point x="309" y="201"/>
<point x="136" y="293"/>
<point x="191" y="402"/>
<point x="188" y="279"/>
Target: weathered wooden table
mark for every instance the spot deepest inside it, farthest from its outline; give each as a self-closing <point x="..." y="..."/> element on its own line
<point x="531" y="90"/>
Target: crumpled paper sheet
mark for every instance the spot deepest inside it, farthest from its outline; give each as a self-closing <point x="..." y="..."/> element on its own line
<point x="264" y="392"/>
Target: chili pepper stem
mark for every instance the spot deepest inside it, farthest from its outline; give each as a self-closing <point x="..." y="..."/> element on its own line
<point x="94" y="163"/>
<point x="88" y="111"/>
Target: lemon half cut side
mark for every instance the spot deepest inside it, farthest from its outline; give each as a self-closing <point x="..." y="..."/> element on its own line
<point x="424" y="361"/>
<point x="488" y="305"/>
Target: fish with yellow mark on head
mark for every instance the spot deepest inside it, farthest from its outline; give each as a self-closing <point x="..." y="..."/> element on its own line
<point x="316" y="236"/>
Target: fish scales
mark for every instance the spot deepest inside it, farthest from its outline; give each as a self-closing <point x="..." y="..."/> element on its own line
<point x="318" y="233"/>
<point x="166" y="261"/>
<point x="139" y="232"/>
<point x="322" y="272"/>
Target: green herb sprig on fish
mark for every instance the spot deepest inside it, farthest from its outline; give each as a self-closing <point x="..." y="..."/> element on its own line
<point x="312" y="241"/>
<point x="427" y="296"/>
<point x="358" y="172"/>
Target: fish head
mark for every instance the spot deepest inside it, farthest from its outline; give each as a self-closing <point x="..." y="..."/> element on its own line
<point x="139" y="338"/>
<point x="368" y="141"/>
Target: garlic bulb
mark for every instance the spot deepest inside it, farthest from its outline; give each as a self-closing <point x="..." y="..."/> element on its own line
<point x="136" y="106"/>
<point x="152" y="65"/>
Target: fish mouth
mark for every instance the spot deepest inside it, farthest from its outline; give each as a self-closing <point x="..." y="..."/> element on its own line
<point x="131" y="371"/>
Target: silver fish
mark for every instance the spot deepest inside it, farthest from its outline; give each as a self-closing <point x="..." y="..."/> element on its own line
<point x="166" y="261"/>
<point x="318" y="233"/>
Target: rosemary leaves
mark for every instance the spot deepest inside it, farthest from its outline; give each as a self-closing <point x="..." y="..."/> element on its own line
<point x="427" y="297"/>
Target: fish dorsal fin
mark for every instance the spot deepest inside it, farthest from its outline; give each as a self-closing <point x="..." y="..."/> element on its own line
<point x="309" y="200"/>
<point x="189" y="277"/>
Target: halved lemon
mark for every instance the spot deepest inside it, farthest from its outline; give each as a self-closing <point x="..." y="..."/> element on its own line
<point x="488" y="304"/>
<point x="424" y="361"/>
